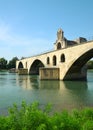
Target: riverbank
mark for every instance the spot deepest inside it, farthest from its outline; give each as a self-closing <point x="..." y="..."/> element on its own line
<point x="32" y="117"/>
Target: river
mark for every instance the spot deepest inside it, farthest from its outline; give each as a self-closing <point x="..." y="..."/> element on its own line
<point x="15" y="88"/>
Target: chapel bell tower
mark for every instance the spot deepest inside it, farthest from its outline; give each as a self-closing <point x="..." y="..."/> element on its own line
<point x="61" y="41"/>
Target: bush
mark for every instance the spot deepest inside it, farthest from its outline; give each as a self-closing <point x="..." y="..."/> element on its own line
<point x="31" y="117"/>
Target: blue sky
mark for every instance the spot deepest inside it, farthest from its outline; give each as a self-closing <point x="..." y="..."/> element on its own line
<point x="29" y="27"/>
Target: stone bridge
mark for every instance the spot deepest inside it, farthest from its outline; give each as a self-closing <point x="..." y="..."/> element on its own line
<point x="66" y="62"/>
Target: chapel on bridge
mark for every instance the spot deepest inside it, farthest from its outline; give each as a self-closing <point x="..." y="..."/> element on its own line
<point x="62" y="42"/>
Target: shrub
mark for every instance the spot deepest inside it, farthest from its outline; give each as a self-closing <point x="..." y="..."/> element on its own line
<point x="31" y="117"/>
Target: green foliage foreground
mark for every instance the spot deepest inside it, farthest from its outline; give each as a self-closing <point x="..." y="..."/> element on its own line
<point x="31" y="117"/>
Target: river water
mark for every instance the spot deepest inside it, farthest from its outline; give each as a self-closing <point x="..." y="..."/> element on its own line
<point x="15" y="88"/>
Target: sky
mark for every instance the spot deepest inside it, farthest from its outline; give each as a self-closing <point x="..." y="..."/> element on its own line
<point x="29" y="27"/>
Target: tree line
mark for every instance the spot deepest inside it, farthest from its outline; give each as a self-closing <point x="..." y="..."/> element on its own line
<point x="4" y="64"/>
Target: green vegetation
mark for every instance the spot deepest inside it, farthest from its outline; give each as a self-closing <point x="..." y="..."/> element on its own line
<point x="90" y="64"/>
<point x="4" y="64"/>
<point x="12" y="63"/>
<point x="31" y="117"/>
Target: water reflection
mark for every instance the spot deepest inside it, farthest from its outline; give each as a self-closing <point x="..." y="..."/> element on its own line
<point x="3" y="77"/>
<point x="27" y="82"/>
<point x="68" y="94"/>
<point x="76" y="85"/>
<point x="75" y="94"/>
<point x="46" y="84"/>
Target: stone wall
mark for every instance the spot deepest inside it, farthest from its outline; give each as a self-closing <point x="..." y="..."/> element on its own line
<point x="22" y="71"/>
<point x="49" y="73"/>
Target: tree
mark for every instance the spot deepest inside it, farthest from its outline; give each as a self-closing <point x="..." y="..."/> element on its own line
<point x="90" y="64"/>
<point x="3" y="63"/>
<point x="12" y="63"/>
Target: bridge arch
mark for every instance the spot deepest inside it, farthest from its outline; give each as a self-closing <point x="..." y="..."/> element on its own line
<point x="78" y="66"/>
<point x="34" y="68"/>
<point x="20" y="65"/>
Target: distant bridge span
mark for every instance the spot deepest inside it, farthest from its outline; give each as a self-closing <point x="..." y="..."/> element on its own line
<point x="66" y="62"/>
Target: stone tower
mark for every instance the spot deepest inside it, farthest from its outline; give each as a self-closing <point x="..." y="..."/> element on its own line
<point x="61" y="41"/>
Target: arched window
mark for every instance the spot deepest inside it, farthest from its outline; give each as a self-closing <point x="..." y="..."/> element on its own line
<point x="62" y="58"/>
<point x="54" y="60"/>
<point x="48" y="60"/>
<point x="26" y="64"/>
<point x="59" y="45"/>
